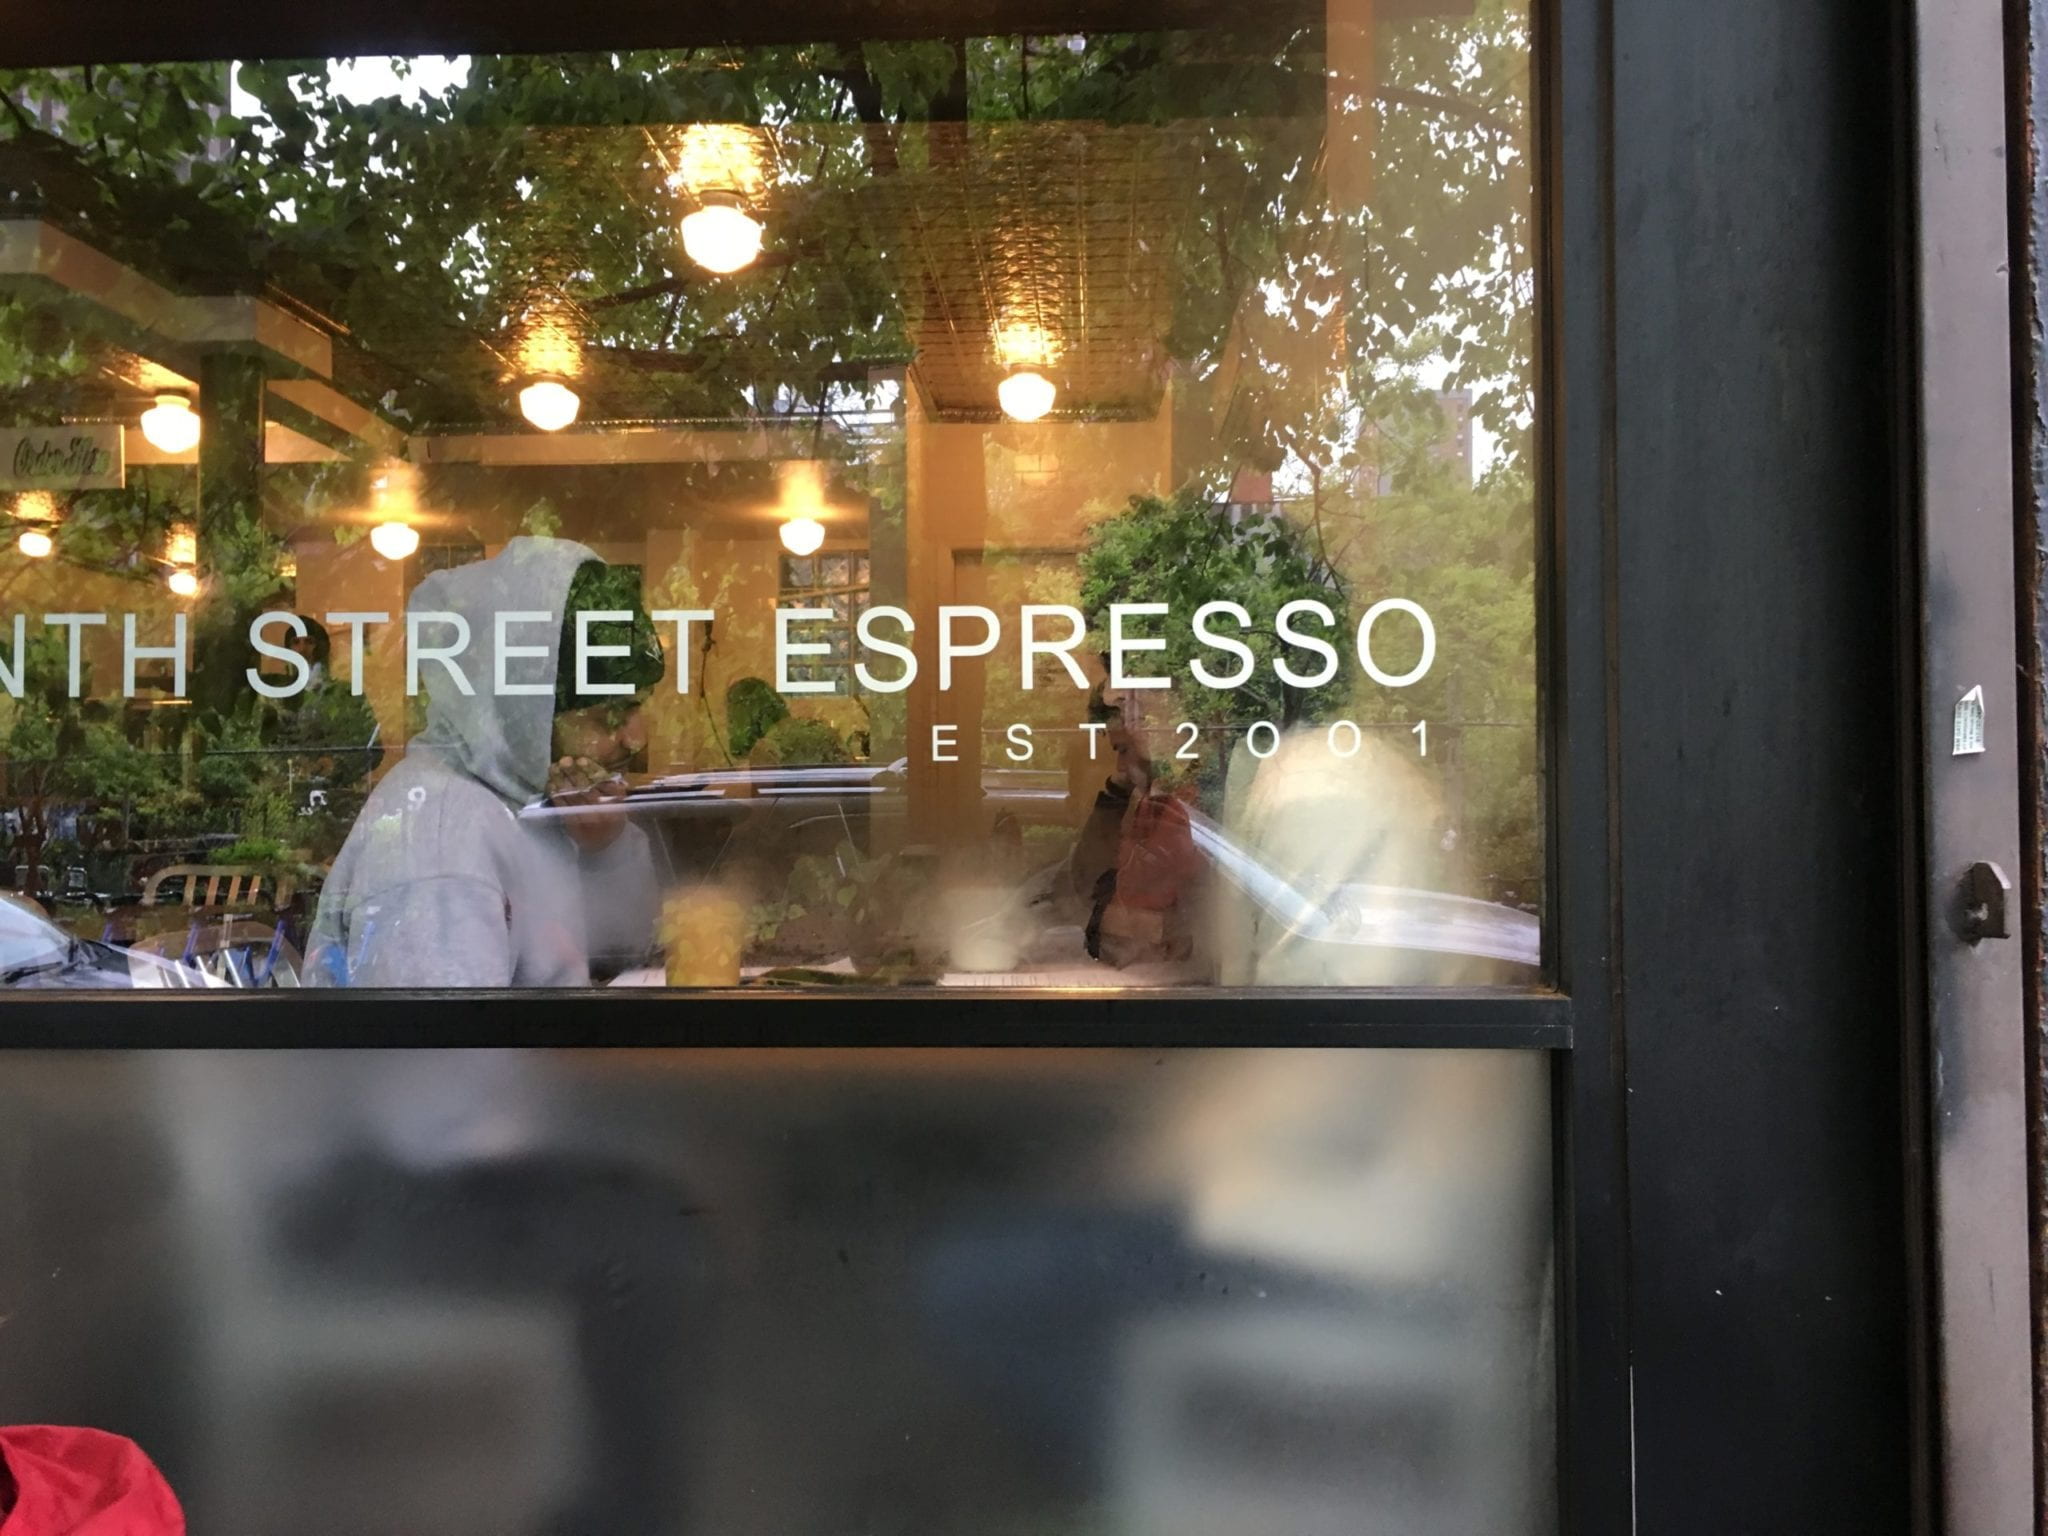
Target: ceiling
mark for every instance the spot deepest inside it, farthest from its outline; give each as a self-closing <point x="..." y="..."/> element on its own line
<point x="107" y="31"/>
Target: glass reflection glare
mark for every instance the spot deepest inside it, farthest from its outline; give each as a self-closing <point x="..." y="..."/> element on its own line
<point x="803" y="535"/>
<point x="394" y="541"/>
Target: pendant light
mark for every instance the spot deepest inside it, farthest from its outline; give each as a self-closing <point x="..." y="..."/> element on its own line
<point x="722" y="172"/>
<point x="183" y="581"/>
<point x="394" y="540"/>
<point x="1026" y="394"/>
<point x="171" y="425"/>
<point x="803" y="535"/>
<point x="720" y="235"/>
<point x="549" y="404"/>
<point x="37" y="512"/>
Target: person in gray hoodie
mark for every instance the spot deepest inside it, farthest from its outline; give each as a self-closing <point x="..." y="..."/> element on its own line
<point x="456" y="1172"/>
<point x="442" y="882"/>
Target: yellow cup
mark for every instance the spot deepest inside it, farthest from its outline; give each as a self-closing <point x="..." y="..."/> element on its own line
<point x="703" y="932"/>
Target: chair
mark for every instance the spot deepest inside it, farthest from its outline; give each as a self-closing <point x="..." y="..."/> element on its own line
<point x="240" y="952"/>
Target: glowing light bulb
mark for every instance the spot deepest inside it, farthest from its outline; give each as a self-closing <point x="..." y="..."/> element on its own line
<point x="184" y="582"/>
<point x="721" y="236"/>
<point x="803" y="535"/>
<point x="1026" y="394"/>
<point x="35" y="543"/>
<point x="171" y="424"/>
<point x="394" y="541"/>
<point x="549" y="404"/>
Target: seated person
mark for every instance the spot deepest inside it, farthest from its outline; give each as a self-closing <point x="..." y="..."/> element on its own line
<point x="1134" y="861"/>
<point x="441" y="883"/>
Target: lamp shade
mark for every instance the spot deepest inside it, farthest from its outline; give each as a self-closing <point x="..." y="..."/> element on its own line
<point x="171" y="425"/>
<point x="721" y="236"/>
<point x="394" y="541"/>
<point x="549" y="404"/>
<point x="803" y="535"/>
<point x="1026" y="394"/>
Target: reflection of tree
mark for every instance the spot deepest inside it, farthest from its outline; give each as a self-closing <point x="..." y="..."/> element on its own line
<point x="66" y="755"/>
<point x="1466" y="553"/>
<point x="429" y="225"/>
<point x="125" y="778"/>
<point x="752" y="710"/>
<point x="1185" y="551"/>
<point x="441" y="230"/>
<point x="1053" y="704"/>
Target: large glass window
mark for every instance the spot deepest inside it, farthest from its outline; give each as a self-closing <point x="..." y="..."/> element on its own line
<point x="1015" y="510"/>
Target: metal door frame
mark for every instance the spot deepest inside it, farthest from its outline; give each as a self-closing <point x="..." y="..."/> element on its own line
<point x="1971" y="1109"/>
<point x="1608" y="215"/>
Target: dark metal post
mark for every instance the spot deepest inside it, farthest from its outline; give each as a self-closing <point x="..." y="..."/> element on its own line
<point x="1976" y="1116"/>
<point x="230" y="448"/>
<point x="2027" y="135"/>
<point x="231" y="386"/>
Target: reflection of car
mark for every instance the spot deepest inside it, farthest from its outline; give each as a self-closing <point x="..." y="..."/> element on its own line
<point x="859" y="781"/>
<point x="851" y="783"/>
<point x="706" y="821"/>
<point x="35" y="952"/>
<point x="1384" y="917"/>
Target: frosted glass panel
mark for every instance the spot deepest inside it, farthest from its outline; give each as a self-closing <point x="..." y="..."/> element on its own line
<point x="515" y="1293"/>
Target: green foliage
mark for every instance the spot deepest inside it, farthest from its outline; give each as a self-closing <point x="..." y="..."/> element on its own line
<point x="799" y="743"/>
<point x="599" y="587"/>
<point x="136" y="118"/>
<point x="124" y="531"/>
<point x="428" y="224"/>
<point x="752" y="710"/>
<point x="1466" y="554"/>
<point x="229" y="766"/>
<point x="841" y="902"/>
<point x="65" y="754"/>
<point x="60" y="751"/>
<point x="265" y="852"/>
<point x="329" y="729"/>
<point x="542" y="520"/>
<point x="1185" y="551"/>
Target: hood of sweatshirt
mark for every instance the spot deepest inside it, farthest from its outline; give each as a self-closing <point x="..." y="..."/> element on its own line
<point x="492" y="716"/>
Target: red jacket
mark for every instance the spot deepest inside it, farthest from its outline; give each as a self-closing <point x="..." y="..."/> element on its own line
<point x="1158" y="864"/>
<point x="56" y="1481"/>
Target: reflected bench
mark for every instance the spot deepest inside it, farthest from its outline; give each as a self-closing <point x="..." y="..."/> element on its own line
<point x="216" y="885"/>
